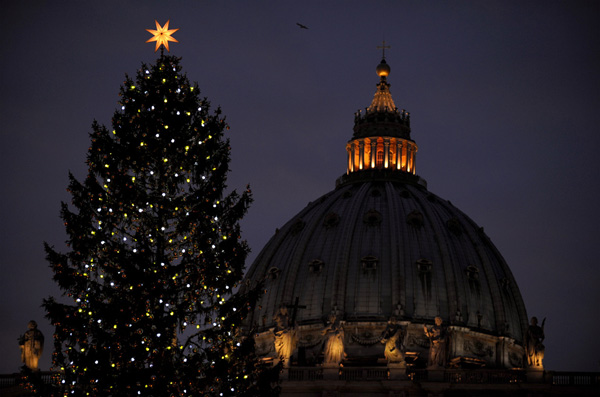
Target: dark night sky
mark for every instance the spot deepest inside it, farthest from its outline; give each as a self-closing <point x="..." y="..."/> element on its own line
<point x="504" y="99"/>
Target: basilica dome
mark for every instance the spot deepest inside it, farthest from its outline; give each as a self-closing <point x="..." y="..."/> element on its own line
<point x="381" y="246"/>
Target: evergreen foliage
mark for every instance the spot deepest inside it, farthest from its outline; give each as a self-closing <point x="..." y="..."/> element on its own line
<point x="155" y="253"/>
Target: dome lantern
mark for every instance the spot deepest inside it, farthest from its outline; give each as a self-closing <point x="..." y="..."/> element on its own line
<point x="381" y="139"/>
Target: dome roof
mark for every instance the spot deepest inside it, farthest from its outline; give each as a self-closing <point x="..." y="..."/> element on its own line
<point x="381" y="246"/>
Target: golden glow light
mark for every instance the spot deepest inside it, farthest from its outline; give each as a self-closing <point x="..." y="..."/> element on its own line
<point x="162" y="35"/>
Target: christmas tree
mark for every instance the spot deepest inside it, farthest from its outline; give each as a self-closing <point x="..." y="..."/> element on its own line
<point x="155" y="254"/>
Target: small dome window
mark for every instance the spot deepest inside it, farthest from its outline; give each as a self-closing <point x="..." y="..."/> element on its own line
<point x="331" y="220"/>
<point x="415" y="219"/>
<point x="372" y="218"/>
<point x="315" y="266"/>
<point x="273" y="273"/>
<point x="369" y="263"/>
<point x="297" y="227"/>
<point x="454" y="226"/>
<point x="424" y="266"/>
<point x="472" y="272"/>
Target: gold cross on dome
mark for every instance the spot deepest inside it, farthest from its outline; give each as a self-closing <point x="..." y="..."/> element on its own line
<point x="383" y="47"/>
<point x="162" y="35"/>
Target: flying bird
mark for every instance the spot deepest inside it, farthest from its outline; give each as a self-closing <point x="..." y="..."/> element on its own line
<point x="301" y="26"/>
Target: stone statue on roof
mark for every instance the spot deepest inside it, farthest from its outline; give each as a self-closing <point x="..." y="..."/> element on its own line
<point x="438" y="339"/>
<point x="285" y="336"/>
<point x="534" y="348"/>
<point x="393" y="338"/>
<point x="32" y="346"/>
<point x="333" y="352"/>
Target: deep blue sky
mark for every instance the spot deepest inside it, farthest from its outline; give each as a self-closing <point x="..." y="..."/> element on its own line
<point x="504" y="99"/>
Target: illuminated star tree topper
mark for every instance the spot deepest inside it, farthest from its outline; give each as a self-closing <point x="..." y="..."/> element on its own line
<point x="162" y="35"/>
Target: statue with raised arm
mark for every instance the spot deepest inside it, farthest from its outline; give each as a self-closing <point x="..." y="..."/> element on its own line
<point x="285" y="336"/>
<point x="534" y="348"/>
<point x="438" y="339"/>
<point x="32" y="346"/>
<point x="333" y="351"/>
<point x="393" y="338"/>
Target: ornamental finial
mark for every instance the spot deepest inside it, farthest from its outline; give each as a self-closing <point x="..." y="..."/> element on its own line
<point x="383" y="47"/>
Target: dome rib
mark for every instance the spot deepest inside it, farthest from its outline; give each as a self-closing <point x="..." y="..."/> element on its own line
<point x="344" y="255"/>
<point x="302" y="247"/>
<point x="395" y="280"/>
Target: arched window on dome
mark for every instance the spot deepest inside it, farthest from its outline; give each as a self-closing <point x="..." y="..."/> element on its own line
<point x="331" y="220"/>
<point x="380" y="155"/>
<point x="424" y="268"/>
<point x="315" y="266"/>
<point x="474" y="283"/>
<point x="373" y="217"/>
<point x="369" y="263"/>
<point x="274" y="273"/>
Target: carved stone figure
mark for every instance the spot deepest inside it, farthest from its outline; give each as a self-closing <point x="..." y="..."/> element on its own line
<point x="438" y="344"/>
<point x="393" y="338"/>
<point x="534" y="348"/>
<point x="285" y="337"/>
<point x="334" y="342"/>
<point x="32" y="346"/>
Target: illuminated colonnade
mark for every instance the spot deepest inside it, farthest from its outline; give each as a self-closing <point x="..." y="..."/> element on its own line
<point x="381" y="153"/>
